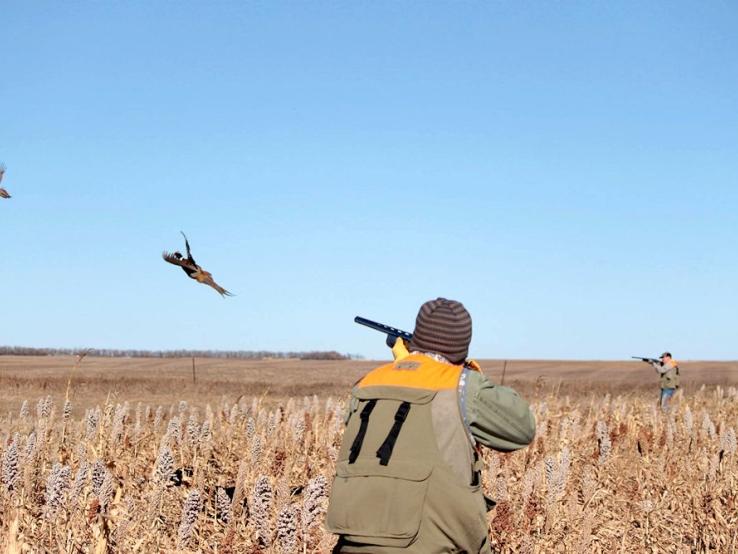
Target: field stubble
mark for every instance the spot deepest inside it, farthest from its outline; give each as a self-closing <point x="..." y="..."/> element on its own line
<point x="140" y="458"/>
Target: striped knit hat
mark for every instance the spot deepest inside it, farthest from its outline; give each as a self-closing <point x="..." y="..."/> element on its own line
<point x="445" y="327"/>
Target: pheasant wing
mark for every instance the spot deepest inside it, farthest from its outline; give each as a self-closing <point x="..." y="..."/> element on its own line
<point x="181" y="262"/>
<point x="187" y="245"/>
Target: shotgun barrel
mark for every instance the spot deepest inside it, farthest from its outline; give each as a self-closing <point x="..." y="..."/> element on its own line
<point x="647" y="360"/>
<point x="392" y="332"/>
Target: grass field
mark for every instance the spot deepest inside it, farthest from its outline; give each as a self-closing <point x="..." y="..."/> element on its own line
<point x="143" y="459"/>
<point x="154" y="380"/>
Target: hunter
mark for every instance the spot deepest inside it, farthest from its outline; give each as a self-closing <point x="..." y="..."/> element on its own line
<point x="668" y="369"/>
<point x="408" y="474"/>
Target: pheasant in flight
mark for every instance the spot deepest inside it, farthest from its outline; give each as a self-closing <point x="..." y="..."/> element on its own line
<point x="193" y="271"/>
<point x="3" y="193"/>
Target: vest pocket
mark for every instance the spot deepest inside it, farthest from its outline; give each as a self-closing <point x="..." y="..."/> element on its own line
<point x="378" y="505"/>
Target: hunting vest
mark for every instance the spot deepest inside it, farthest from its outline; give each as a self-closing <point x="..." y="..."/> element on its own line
<point x="407" y="475"/>
<point x="670" y="379"/>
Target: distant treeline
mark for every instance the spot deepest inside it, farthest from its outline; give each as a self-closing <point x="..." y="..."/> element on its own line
<point x="230" y="354"/>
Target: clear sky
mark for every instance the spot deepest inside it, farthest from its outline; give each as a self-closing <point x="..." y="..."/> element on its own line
<point x="568" y="170"/>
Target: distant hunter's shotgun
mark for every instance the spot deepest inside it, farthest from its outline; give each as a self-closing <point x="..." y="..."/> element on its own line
<point x="392" y="333"/>
<point x="647" y="360"/>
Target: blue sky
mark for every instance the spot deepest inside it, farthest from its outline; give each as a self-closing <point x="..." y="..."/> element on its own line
<point x="569" y="171"/>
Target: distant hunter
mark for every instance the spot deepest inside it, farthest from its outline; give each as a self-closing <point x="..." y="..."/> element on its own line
<point x="668" y="370"/>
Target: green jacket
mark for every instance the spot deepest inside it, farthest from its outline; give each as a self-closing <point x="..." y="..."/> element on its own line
<point x="421" y="493"/>
<point x="497" y="416"/>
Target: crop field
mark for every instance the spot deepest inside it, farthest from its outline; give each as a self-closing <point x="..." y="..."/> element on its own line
<point x="144" y="455"/>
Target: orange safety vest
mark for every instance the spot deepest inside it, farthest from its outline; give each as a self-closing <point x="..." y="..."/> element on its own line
<point x="416" y="371"/>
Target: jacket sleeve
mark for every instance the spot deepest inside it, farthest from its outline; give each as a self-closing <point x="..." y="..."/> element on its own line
<point x="659" y="367"/>
<point x="496" y="416"/>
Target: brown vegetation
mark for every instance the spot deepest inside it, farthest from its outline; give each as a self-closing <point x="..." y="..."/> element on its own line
<point x="146" y="460"/>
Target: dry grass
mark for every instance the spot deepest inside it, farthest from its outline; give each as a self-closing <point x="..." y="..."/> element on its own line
<point x="166" y="381"/>
<point x="618" y="475"/>
<point x="151" y="462"/>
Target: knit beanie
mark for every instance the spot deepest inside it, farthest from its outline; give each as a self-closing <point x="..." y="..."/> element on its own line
<point x="445" y="327"/>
